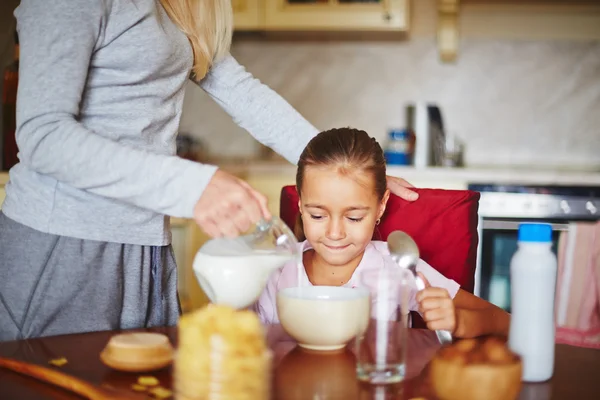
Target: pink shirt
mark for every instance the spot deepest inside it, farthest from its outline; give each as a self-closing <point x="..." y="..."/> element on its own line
<point x="376" y="256"/>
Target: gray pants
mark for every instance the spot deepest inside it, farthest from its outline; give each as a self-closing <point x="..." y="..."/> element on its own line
<point x="51" y="285"/>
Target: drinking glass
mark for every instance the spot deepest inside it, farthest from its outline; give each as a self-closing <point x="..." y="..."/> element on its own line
<point x="381" y="350"/>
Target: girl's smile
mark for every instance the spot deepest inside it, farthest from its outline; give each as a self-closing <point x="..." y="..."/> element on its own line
<point x="337" y="247"/>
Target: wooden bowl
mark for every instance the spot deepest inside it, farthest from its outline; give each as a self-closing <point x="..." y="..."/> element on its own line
<point x="475" y="369"/>
<point x="137" y="352"/>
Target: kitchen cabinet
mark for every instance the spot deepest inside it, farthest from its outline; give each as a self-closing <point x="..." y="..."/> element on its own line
<point x="248" y="15"/>
<point x="340" y="15"/>
<point x="572" y="20"/>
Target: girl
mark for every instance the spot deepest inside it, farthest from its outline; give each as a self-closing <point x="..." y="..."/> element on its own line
<point x="342" y="187"/>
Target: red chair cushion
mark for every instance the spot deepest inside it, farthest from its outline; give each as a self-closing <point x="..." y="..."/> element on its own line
<point x="443" y="223"/>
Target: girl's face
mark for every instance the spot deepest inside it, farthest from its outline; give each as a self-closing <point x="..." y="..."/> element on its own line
<point x="339" y="213"/>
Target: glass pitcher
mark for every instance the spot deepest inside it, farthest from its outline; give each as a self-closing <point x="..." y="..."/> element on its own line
<point x="271" y="236"/>
<point x="235" y="271"/>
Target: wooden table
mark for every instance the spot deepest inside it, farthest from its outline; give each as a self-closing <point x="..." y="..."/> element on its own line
<point x="297" y="375"/>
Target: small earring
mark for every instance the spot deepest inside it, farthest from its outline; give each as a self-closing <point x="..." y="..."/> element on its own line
<point x="378" y="221"/>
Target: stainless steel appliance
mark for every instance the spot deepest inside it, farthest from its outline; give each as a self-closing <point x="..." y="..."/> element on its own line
<point x="425" y="121"/>
<point x="503" y="207"/>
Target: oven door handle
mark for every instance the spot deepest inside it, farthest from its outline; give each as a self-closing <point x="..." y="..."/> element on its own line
<point x="500" y="225"/>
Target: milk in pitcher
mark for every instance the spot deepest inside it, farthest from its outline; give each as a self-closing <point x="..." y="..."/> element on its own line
<point x="233" y="273"/>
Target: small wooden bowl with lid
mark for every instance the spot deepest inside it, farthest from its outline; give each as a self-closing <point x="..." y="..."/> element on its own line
<point x="474" y="369"/>
<point x="137" y="352"/>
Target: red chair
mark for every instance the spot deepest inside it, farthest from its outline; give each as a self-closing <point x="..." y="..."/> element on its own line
<point x="443" y="223"/>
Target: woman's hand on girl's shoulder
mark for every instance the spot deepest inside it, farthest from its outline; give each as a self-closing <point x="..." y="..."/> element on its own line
<point x="401" y="188"/>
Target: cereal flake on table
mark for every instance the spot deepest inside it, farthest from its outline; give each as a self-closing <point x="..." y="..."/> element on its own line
<point x="147" y="381"/>
<point x="58" y="362"/>
<point x="160" y="392"/>
<point x="139" y="388"/>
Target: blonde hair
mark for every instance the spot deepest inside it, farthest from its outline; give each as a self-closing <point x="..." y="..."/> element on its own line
<point x="208" y="24"/>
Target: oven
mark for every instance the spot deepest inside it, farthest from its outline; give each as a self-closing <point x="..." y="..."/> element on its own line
<point x="502" y="208"/>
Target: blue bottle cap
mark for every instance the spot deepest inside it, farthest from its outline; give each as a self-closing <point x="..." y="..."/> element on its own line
<point x="535" y="232"/>
<point x="398" y="134"/>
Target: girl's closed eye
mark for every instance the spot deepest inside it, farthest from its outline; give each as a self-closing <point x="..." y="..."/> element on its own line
<point x="355" y="219"/>
<point x="317" y="217"/>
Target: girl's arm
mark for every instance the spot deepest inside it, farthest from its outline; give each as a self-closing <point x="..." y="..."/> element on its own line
<point x="465" y="315"/>
<point x="477" y="317"/>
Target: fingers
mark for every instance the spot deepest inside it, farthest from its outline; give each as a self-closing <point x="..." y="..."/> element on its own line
<point x="425" y="281"/>
<point x="437" y="309"/>
<point x="241" y="221"/>
<point x="442" y="317"/>
<point x="435" y="315"/>
<point x="229" y="206"/>
<point x="208" y="226"/>
<point x="403" y="182"/>
<point x="405" y="193"/>
<point x="434" y="303"/>
<point x="225" y="225"/>
<point x="402" y="188"/>
<point x="244" y="208"/>
<point x="232" y="221"/>
<point x="261" y="200"/>
<point x="430" y="292"/>
<point x="446" y="324"/>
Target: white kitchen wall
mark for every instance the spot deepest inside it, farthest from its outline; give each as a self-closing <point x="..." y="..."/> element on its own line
<point x="513" y="102"/>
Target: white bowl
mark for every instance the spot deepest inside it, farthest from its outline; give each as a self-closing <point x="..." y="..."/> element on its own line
<point x="323" y="317"/>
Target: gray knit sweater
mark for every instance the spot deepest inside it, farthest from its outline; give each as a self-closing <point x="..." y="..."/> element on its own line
<point x="100" y="97"/>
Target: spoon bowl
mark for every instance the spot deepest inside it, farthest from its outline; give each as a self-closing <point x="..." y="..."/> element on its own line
<point x="405" y="252"/>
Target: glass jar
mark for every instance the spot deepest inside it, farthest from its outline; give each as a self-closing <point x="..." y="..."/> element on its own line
<point x="222" y="354"/>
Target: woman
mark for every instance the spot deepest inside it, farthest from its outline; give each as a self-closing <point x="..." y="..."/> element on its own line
<point x="84" y="234"/>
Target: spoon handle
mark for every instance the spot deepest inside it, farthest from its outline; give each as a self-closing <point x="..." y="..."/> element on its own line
<point x="443" y="336"/>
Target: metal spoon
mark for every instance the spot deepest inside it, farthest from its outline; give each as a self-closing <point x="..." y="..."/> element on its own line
<point x="405" y="252"/>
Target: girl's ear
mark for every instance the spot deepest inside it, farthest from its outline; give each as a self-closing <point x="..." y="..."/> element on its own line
<point x="383" y="204"/>
<point x="299" y="226"/>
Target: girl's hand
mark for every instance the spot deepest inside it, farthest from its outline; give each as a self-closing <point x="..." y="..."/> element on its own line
<point x="436" y="307"/>
<point x="401" y="188"/>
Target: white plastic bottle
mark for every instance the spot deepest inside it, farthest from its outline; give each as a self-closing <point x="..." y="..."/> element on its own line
<point x="533" y="279"/>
